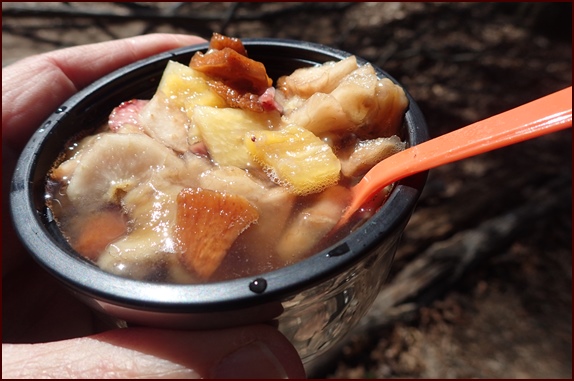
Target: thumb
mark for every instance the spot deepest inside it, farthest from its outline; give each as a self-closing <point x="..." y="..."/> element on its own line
<point x="258" y="351"/>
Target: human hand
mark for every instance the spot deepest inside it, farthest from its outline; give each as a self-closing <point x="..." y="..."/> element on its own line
<point x="46" y="331"/>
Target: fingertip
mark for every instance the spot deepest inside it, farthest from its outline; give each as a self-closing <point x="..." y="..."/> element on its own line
<point x="185" y="40"/>
<point x="152" y="43"/>
<point x="42" y="82"/>
<point x="256" y="351"/>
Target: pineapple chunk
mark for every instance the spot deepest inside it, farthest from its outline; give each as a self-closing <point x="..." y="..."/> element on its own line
<point x="185" y="88"/>
<point x="222" y="130"/>
<point x="295" y="158"/>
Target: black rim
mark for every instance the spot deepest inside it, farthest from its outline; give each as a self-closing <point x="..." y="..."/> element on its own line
<point x="40" y="235"/>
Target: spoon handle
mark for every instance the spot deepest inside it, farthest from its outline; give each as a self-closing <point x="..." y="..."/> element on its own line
<point x="542" y="116"/>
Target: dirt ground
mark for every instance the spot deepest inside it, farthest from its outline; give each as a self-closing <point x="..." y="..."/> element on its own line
<point x="510" y="314"/>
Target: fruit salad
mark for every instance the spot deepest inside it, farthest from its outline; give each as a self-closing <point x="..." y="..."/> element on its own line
<point x="225" y="172"/>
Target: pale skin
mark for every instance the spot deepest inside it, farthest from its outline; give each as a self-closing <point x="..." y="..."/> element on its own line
<point x="48" y="333"/>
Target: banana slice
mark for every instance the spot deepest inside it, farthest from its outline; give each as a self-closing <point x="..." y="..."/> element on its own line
<point x="161" y="119"/>
<point x="149" y="251"/>
<point x="115" y="164"/>
<point x="305" y="82"/>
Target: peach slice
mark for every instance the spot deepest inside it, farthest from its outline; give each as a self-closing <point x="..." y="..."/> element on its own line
<point x="101" y="228"/>
<point x="207" y="224"/>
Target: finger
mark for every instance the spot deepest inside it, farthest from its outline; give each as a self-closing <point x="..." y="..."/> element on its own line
<point x="34" y="87"/>
<point x="10" y="245"/>
<point x="258" y="351"/>
<point x="36" y="308"/>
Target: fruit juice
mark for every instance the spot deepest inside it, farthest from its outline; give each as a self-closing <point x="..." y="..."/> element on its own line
<point x="224" y="173"/>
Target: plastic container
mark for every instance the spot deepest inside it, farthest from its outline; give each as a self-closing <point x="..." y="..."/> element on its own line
<point x="314" y="302"/>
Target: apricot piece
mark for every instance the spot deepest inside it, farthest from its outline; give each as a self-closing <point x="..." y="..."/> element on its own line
<point x="235" y="70"/>
<point x="102" y="228"/>
<point x="207" y="224"/>
<point x="219" y="41"/>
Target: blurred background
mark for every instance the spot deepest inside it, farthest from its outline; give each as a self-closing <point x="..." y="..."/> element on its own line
<point x="481" y="286"/>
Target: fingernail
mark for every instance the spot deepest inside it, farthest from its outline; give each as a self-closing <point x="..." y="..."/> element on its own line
<point x="254" y="360"/>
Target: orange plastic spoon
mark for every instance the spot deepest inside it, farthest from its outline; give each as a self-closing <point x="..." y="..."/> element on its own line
<point x="542" y="116"/>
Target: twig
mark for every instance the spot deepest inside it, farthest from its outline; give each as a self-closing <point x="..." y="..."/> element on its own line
<point x="229" y="15"/>
<point x="152" y="14"/>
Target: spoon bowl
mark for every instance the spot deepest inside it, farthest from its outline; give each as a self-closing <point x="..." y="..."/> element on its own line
<point x="539" y="117"/>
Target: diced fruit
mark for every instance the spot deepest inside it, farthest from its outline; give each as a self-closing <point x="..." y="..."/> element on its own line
<point x="238" y="99"/>
<point x="274" y="204"/>
<point x="375" y="106"/>
<point x="148" y="249"/>
<point x="208" y="222"/>
<point x="234" y="69"/>
<point x="235" y="77"/>
<point x="319" y="114"/>
<point x="366" y="153"/>
<point x="126" y="115"/>
<point x="295" y="158"/>
<point x="313" y="223"/>
<point x="161" y="119"/>
<point x="223" y="129"/>
<point x="114" y="164"/>
<point x="187" y="87"/>
<point x="219" y="41"/>
<point x="392" y="103"/>
<point x="305" y="82"/>
<point x="356" y="92"/>
<point x="99" y="229"/>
